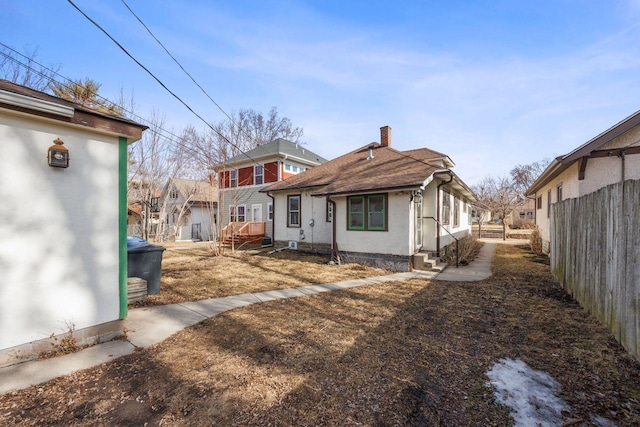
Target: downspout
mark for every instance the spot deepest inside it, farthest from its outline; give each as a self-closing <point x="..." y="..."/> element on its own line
<point x="273" y="219"/>
<point x="122" y="226"/>
<point x="438" y="212"/>
<point x="335" y="254"/>
<point x="621" y="154"/>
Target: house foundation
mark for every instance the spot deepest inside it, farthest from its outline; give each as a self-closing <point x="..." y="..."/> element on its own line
<point x="66" y="342"/>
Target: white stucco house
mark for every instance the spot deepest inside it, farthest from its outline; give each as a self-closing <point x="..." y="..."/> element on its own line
<point x="375" y="205"/>
<point x="63" y="221"/>
<point x="613" y="156"/>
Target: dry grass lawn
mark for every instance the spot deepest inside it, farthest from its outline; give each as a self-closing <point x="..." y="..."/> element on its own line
<point x="405" y="353"/>
<point x="193" y="273"/>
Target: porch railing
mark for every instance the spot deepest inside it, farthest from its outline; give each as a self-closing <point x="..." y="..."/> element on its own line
<point x="449" y="233"/>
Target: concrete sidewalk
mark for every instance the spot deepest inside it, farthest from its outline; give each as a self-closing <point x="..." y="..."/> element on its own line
<point x="150" y="325"/>
<point x="478" y="269"/>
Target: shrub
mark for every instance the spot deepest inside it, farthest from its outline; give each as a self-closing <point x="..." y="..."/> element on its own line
<point x="468" y="246"/>
<point x="535" y="241"/>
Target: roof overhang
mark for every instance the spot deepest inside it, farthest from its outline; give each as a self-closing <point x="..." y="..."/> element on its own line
<point x="585" y="151"/>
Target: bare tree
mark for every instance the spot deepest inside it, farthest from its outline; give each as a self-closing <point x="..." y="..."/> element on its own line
<point x="23" y="69"/>
<point x="153" y="161"/>
<point x="523" y="176"/>
<point x="211" y="150"/>
<point x="500" y="196"/>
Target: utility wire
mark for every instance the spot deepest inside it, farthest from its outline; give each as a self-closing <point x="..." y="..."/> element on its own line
<point x="166" y="134"/>
<point x="161" y="83"/>
<point x="175" y="60"/>
<point x="231" y="119"/>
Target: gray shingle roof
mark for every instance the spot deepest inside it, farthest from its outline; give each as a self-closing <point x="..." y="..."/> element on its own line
<point x="279" y="148"/>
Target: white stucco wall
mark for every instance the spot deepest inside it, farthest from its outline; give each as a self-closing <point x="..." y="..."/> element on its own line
<point x="311" y="208"/>
<point x="396" y="240"/>
<point x="430" y="227"/>
<point x="58" y="231"/>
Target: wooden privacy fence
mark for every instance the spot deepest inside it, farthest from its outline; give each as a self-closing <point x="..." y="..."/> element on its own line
<point x="595" y="253"/>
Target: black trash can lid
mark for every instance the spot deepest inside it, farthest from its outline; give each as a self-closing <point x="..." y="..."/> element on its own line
<point x="137" y="244"/>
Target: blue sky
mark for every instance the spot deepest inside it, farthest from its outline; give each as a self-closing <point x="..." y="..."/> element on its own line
<point x="490" y="83"/>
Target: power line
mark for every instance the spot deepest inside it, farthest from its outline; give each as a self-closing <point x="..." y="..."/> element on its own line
<point x="231" y="119"/>
<point x="173" y="138"/>
<point x="161" y="131"/>
<point x="175" y="60"/>
<point x="161" y="83"/>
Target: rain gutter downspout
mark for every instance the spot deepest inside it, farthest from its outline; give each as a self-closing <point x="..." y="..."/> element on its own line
<point x="438" y="211"/>
<point x="273" y="219"/>
<point x="335" y="255"/>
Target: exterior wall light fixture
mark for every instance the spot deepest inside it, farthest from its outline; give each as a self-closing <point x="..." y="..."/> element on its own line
<point x="58" y="154"/>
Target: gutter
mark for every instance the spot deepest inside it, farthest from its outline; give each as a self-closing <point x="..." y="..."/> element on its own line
<point x="438" y="211"/>
<point x="335" y="254"/>
<point x="273" y="219"/>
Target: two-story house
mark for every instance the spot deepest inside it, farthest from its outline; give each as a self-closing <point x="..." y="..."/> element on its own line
<point x="242" y="177"/>
<point x="187" y="210"/>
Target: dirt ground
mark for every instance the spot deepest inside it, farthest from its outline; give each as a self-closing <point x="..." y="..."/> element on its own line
<point x="405" y="353"/>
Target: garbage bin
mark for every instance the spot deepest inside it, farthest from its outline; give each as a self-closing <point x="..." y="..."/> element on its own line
<point x="144" y="260"/>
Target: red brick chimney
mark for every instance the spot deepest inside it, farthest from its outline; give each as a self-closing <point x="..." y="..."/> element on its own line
<point x="385" y="136"/>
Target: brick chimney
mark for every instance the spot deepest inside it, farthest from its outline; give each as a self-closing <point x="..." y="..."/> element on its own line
<point x="385" y="136"/>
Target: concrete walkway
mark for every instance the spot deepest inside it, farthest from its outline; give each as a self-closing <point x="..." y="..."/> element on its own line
<point x="478" y="269"/>
<point x="150" y="325"/>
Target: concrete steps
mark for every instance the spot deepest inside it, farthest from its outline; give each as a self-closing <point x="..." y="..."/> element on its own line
<point x="423" y="261"/>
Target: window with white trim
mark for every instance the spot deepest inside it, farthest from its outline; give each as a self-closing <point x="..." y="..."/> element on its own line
<point x="446" y="207"/>
<point x="242" y="213"/>
<point x="258" y="175"/>
<point x="269" y="211"/>
<point x="293" y="211"/>
<point x="456" y="211"/>
<point x="233" y="178"/>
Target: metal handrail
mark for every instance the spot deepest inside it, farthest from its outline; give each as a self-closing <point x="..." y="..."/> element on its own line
<point x="454" y="238"/>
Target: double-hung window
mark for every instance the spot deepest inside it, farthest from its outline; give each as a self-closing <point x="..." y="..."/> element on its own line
<point x="258" y="175"/>
<point x="367" y="212"/>
<point x="456" y="211"/>
<point x="559" y="192"/>
<point x="293" y="211"/>
<point x="233" y="178"/>
<point x="242" y="213"/>
<point x="446" y="207"/>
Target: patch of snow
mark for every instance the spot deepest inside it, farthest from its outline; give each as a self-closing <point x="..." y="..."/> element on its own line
<point x="603" y="422"/>
<point x="529" y="393"/>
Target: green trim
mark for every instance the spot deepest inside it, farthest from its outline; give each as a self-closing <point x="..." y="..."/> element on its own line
<point x="356" y="216"/>
<point x="366" y="209"/>
<point x="381" y="212"/>
<point x="122" y="224"/>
